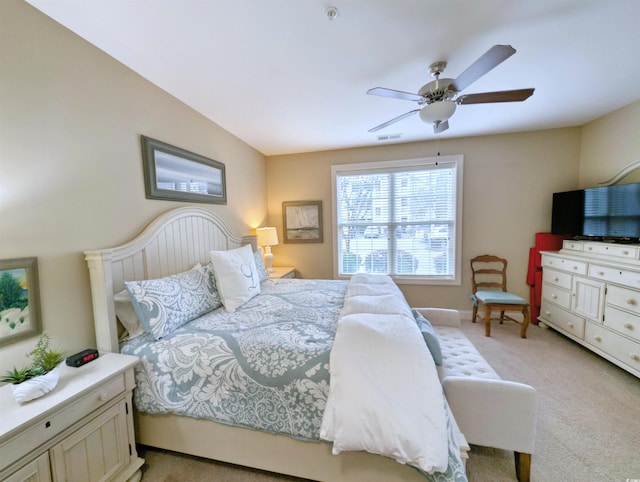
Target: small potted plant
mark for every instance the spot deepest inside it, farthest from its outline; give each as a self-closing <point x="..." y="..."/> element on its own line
<point x="40" y="377"/>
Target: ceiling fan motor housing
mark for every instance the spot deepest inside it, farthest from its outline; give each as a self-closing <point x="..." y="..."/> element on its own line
<point x="437" y="90"/>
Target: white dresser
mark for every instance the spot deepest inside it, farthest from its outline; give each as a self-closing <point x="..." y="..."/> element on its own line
<point x="81" y="431"/>
<point x="591" y="293"/>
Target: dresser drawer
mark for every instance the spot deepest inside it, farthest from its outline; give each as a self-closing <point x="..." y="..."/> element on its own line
<point x="623" y="298"/>
<point x="617" y="250"/>
<point x="617" y="346"/>
<point x="569" y="265"/>
<point x="615" y="275"/>
<point x="562" y="319"/>
<point x="557" y="278"/>
<point x="34" y="436"/>
<point x="556" y="295"/>
<point x="572" y="245"/>
<point x="623" y="322"/>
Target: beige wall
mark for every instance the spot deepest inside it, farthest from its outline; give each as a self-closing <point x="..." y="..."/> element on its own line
<point x="71" y="174"/>
<point x="508" y="186"/>
<point x="609" y="144"/>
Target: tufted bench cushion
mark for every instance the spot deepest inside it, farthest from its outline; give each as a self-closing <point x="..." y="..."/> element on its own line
<point x="460" y="358"/>
<point x="489" y="411"/>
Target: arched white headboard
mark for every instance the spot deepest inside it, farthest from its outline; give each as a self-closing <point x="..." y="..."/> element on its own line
<point x="173" y="242"/>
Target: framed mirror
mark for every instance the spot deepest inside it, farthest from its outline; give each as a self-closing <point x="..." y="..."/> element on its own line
<point x="173" y="174"/>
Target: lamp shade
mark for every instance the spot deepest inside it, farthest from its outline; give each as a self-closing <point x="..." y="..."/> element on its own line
<point x="267" y="236"/>
<point x="438" y="111"/>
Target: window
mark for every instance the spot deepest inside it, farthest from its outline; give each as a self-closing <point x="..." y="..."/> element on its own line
<point x="401" y="218"/>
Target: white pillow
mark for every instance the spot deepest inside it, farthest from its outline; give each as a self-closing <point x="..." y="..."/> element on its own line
<point x="236" y="276"/>
<point x="127" y="315"/>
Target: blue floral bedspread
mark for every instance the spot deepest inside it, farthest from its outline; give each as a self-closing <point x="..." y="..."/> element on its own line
<point x="265" y="366"/>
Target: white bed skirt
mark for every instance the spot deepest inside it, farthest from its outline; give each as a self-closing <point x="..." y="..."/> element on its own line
<point x="271" y="452"/>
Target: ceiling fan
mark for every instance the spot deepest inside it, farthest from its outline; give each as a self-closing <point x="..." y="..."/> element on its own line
<point x="438" y="99"/>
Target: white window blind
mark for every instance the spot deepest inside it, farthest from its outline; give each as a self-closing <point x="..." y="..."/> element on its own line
<point x="400" y="218"/>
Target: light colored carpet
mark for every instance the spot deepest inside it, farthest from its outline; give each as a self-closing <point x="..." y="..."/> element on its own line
<point x="588" y="417"/>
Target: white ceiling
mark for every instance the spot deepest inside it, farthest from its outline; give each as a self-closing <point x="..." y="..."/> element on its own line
<point x="284" y="78"/>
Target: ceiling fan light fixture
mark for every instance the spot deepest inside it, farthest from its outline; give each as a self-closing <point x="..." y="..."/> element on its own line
<point x="437" y="111"/>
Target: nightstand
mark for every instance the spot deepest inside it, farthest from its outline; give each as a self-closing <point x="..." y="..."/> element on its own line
<point x="283" y="272"/>
<point x="81" y="430"/>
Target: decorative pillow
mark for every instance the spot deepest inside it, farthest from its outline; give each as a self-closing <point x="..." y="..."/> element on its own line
<point x="207" y="269"/>
<point x="164" y="305"/>
<point x="236" y="276"/>
<point x="262" y="271"/>
<point x="127" y="315"/>
<point x="430" y="336"/>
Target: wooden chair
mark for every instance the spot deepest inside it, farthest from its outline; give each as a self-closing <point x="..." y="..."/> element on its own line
<point x="489" y="287"/>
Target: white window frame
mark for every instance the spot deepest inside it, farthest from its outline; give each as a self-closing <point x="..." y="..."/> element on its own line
<point x="455" y="160"/>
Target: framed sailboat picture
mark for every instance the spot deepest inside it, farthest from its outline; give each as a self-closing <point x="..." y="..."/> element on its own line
<point x="302" y="221"/>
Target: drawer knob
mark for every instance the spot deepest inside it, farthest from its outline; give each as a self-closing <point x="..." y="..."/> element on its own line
<point x="631" y="301"/>
<point x="628" y="326"/>
<point x="555" y="278"/>
<point x="635" y="357"/>
<point x="570" y="325"/>
<point x="597" y="338"/>
<point x="575" y="267"/>
<point x="600" y="273"/>
<point x="554" y="296"/>
<point x="548" y="313"/>
<point x="103" y="397"/>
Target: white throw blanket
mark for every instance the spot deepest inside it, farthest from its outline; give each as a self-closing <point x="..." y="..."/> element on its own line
<point x="385" y="396"/>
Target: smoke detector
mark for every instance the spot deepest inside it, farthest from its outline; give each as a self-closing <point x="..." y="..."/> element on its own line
<point x="332" y="13"/>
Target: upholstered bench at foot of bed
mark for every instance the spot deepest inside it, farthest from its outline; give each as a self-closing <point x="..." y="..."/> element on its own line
<point x="489" y="411"/>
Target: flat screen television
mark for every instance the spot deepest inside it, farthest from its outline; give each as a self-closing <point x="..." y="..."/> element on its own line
<point x="608" y="212"/>
<point x="567" y="212"/>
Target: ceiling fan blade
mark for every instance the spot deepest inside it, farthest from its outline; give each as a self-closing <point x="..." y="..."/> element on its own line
<point x="393" y="121"/>
<point x="439" y="127"/>
<point x="489" y="60"/>
<point x="499" y="96"/>
<point x="394" y="94"/>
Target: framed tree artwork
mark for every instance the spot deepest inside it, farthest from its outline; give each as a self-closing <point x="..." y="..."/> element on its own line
<point x="19" y="300"/>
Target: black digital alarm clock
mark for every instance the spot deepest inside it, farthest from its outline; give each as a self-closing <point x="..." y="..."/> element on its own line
<point x="82" y="358"/>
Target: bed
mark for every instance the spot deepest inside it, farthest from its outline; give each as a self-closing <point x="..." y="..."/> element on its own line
<point x="313" y="435"/>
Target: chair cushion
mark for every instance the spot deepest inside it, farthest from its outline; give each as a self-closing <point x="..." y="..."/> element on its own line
<point x="500" y="297"/>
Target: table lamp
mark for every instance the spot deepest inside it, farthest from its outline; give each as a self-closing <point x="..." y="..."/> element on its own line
<point x="267" y="237"/>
